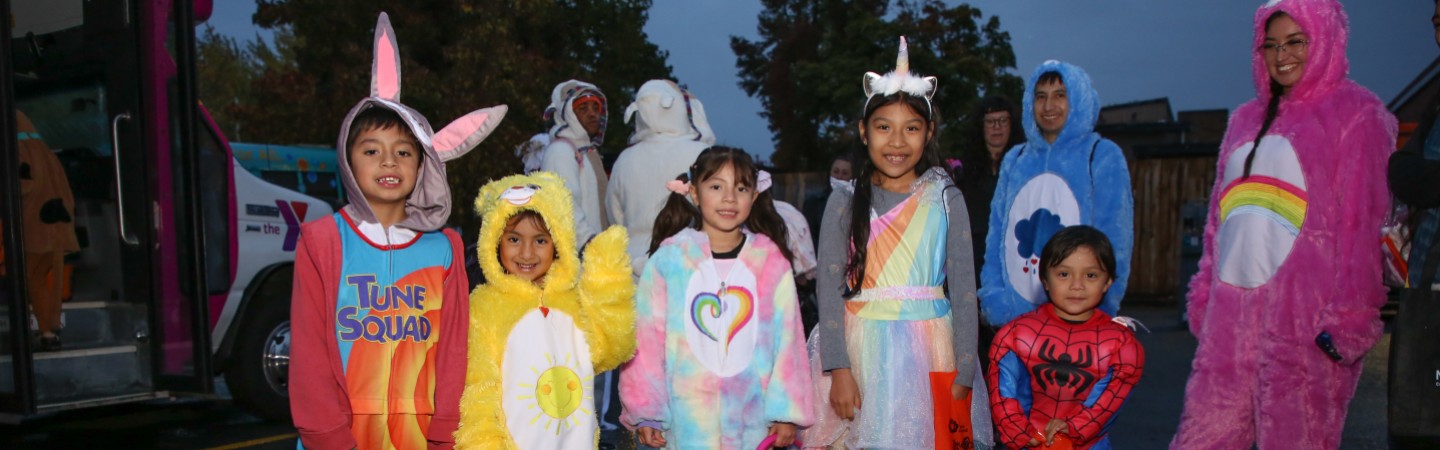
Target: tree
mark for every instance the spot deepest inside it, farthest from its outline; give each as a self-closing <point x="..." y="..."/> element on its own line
<point x="456" y="56"/>
<point x="226" y="71"/>
<point x="807" y="67"/>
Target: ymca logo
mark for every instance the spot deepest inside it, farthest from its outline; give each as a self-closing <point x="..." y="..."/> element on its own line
<point x="294" y="214"/>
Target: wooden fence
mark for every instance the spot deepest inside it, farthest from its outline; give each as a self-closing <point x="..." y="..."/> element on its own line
<point x="1162" y="186"/>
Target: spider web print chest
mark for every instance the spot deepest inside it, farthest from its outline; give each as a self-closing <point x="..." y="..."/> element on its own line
<point x="1261" y="216"/>
<point x="1069" y="365"/>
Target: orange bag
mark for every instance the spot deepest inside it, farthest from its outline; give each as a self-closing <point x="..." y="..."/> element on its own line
<point x="952" y="417"/>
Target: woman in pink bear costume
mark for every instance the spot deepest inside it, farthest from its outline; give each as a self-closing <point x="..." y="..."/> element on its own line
<point x="1287" y="300"/>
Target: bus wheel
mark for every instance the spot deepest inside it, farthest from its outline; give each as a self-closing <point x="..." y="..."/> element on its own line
<point x="259" y="373"/>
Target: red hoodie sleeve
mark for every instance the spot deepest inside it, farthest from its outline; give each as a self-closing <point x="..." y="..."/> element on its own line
<point x="450" y="364"/>
<point x="318" y="402"/>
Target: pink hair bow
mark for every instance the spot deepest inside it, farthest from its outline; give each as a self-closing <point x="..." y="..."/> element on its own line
<point x="678" y="187"/>
<point x="762" y="181"/>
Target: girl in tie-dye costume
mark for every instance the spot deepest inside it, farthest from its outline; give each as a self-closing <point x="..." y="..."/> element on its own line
<point x="721" y="357"/>
<point x="889" y="332"/>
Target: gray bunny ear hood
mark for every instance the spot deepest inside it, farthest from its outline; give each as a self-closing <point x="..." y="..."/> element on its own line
<point x="428" y="207"/>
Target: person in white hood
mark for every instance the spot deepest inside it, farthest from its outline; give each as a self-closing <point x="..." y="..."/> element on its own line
<point x="670" y="131"/>
<point x="578" y="110"/>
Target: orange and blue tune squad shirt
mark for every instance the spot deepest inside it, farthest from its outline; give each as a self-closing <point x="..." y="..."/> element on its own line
<point x="387" y="321"/>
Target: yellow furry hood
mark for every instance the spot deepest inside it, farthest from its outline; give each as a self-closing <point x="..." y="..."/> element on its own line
<point x="600" y="300"/>
<point x="544" y="193"/>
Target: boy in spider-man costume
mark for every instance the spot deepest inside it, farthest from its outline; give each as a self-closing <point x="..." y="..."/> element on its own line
<point x="1062" y="372"/>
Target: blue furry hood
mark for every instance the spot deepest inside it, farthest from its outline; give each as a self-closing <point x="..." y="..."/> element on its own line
<point x="1084" y="106"/>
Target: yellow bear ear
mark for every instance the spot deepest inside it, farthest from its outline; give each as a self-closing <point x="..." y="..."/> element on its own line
<point x="483" y="201"/>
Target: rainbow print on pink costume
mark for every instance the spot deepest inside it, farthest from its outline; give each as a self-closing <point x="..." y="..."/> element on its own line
<point x="1272" y="198"/>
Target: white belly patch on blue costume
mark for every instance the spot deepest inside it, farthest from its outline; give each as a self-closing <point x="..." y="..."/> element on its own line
<point x="1042" y="207"/>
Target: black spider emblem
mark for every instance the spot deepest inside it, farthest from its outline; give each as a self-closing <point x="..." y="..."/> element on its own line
<point x="1063" y="370"/>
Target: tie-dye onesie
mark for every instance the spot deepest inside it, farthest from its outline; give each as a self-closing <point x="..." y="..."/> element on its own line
<point x="721" y="352"/>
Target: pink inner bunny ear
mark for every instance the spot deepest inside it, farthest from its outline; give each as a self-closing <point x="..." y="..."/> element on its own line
<point x="462" y="135"/>
<point x="385" y="73"/>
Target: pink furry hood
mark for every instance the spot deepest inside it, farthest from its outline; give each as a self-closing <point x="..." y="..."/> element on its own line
<point x="1325" y="65"/>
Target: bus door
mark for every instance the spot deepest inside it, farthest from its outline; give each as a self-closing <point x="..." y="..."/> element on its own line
<point x="93" y="228"/>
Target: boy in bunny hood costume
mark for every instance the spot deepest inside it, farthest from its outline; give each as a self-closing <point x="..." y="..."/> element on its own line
<point x="1290" y="252"/>
<point x="534" y="349"/>
<point x="1080" y="179"/>
<point x="378" y="313"/>
<point x="670" y="131"/>
<point x="574" y="155"/>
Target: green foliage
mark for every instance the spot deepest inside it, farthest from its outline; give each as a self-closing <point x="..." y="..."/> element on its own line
<point x="808" y="64"/>
<point x="456" y="56"/>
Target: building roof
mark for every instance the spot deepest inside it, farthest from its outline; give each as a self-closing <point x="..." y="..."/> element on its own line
<point x="1416" y="86"/>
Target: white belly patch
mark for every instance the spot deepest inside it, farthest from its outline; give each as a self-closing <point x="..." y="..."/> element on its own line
<point x="1261" y="215"/>
<point x="548" y="383"/>
<point x="1042" y="207"/>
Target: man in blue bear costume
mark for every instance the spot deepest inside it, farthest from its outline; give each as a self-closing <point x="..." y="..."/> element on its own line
<point x="1066" y="174"/>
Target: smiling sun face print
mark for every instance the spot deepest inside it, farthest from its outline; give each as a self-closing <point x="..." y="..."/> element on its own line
<point x="558" y="393"/>
<point x="548" y="383"/>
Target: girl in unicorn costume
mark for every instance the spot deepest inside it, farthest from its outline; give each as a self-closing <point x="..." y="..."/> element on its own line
<point x="1287" y="300"/>
<point x="574" y="153"/>
<point x="400" y="386"/>
<point x="670" y="131"/>
<point x="1073" y="178"/>
<point x="894" y="352"/>
<point x="535" y="347"/>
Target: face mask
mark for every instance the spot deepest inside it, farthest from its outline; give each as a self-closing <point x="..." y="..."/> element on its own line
<point x="836" y="183"/>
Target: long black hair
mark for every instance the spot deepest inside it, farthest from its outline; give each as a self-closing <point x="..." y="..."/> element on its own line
<point x="678" y="213"/>
<point x="1272" y="108"/>
<point x="864" y="170"/>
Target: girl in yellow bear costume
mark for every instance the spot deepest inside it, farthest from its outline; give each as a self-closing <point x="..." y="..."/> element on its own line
<point x="534" y="347"/>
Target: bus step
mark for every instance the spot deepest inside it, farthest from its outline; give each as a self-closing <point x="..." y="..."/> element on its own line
<point x="85" y="372"/>
<point x="89" y="324"/>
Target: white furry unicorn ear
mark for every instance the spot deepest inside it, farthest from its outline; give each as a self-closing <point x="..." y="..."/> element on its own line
<point x="872" y="81"/>
<point x="385" y="69"/>
<point x="462" y="135"/>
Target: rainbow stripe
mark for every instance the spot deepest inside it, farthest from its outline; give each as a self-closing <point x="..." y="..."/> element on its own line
<point x="1269" y="197"/>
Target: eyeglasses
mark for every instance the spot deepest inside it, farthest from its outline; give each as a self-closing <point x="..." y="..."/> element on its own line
<point x="1297" y="45"/>
<point x="998" y="122"/>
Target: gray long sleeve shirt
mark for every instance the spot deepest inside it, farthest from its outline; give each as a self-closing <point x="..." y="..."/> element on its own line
<point x="959" y="275"/>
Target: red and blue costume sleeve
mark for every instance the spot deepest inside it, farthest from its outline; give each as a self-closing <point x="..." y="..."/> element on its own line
<point x="1046" y="368"/>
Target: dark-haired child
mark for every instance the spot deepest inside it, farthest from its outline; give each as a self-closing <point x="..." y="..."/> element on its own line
<point x="1065" y="368"/>
<point x="543" y="324"/>
<point x="721" y="360"/>
<point x="896" y="285"/>
<point x="378" y="309"/>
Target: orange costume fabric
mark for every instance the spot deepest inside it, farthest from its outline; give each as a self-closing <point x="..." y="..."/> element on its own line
<point x="47" y="219"/>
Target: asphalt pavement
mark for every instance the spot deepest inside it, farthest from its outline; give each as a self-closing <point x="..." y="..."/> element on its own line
<point x="1148" y="420"/>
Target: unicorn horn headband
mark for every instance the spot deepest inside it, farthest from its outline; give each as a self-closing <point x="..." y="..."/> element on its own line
<point x="900" y="80"/>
